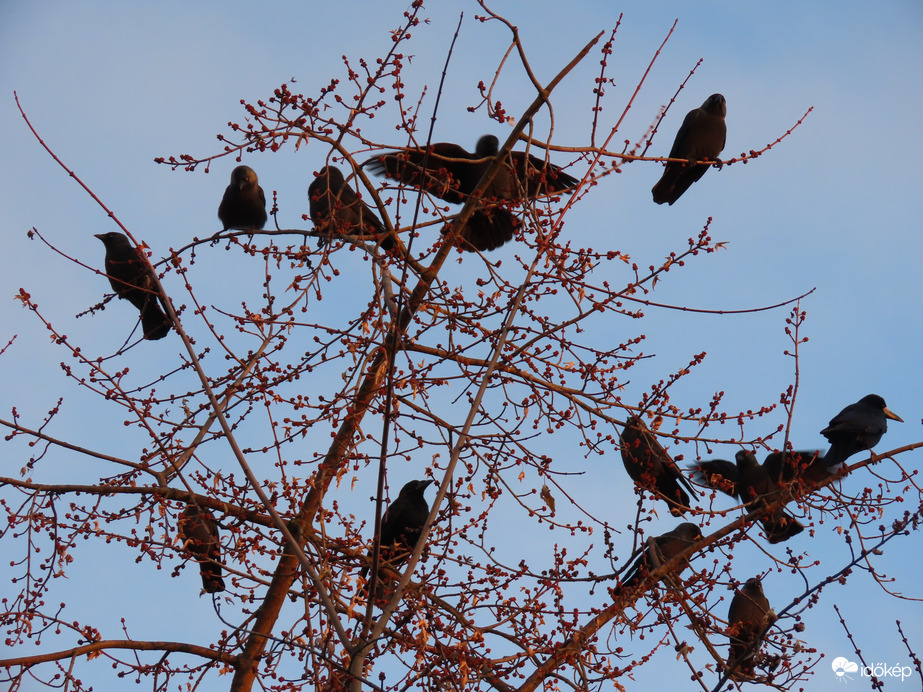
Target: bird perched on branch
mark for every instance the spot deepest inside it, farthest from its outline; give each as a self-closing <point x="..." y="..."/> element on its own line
<point x="650" y="467"/>
<point x="856" y="428"/>
<point x="199" y="532"/>
<point x="336" y="210"/>
<point x="749" y="618"/>
<point x="450" y="172"/>
<point x="243" y="206"/>
<point x="132" y="278"/>
<point x="806" y="467"/>
<point x="756" y="489"/>
<point x="402" y="524"/>
<point x="657" y="551"/>
<point x="700" y="138"/>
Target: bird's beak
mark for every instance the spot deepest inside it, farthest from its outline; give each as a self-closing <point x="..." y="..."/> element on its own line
<point x="98" y="235"/>
<point x="893" y="416"/>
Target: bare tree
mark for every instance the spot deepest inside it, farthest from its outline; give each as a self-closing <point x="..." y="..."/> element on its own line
<point x="516" y="583"/>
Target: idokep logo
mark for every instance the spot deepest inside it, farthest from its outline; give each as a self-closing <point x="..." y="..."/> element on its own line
<point x="844" y="669"/>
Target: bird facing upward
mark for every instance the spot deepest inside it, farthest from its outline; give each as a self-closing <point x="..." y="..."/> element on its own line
<point x="701" y="137"/>
<point x="243" y="206"/>
<point x="132" y="278"/>
<point x="402" y="524"/>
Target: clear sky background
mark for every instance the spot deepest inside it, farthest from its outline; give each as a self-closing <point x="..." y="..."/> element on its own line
<point x="835" y="207"/>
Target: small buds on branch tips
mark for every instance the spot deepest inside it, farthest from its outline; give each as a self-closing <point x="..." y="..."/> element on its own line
<point x="419" y="424"/>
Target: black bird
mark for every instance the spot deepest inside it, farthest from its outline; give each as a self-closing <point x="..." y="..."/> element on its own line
<point x="806" y="467"/>
<point x="650" y="467"/>
<point x="450" y="172"/>
<point x="659" y="550"/>
<point x="199" y="532"/>
<point x="856" y="428"/>
<point x="350" y="215"/>
<point x="753" y="485"/>
<point x="700" y="138"/>
<point x="132" y="278"/>
<point x="243" y="206"/>
<point x="402" y="524"/>
<point x="749" y="618"/>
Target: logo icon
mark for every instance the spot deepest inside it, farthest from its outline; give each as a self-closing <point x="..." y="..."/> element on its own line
<point x="842" y="667"/>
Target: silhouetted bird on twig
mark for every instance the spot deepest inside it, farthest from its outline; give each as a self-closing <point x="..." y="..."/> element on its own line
<point x="749" y="618"/>
<point x="402" y="525"/>
<point x="857" y="427"/>
<point x="132" y="278"/>
<point x="243" y="206"/>
<point x="700" y="138"/>
<point x="336" y="210"/>
<point x="657" y="551"/>
<point x="450" y="172"/>
<point x="199" y="532"/>
<point x="756" y="488"/>
<point x="649" y="465"/>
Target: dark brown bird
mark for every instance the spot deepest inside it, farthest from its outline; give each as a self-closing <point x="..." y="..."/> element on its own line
<point x="659" y="550"/>
<point x="199" y="532"/>
<point x="243" y="206"/>
<point x="452" y="173"/>
<point x="753" y="485"/>
<point x="749" y="618"/>
<point x="650" y="467"/>
<point x="856" y="428"/>
<point x="700" y="138"/>
<point x="132" y="278"/>
<point x="350" y="215"/>
<point x="402" y="524"/>
<point x="534" y="177"/>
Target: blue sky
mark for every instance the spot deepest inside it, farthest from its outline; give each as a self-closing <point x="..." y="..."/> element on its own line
<point x="834" y="207"/>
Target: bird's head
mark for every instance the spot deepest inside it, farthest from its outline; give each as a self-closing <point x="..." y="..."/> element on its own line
<point x="243" y="176"/>
<point x="112" y="239"/>
<point x="716" y="105"/>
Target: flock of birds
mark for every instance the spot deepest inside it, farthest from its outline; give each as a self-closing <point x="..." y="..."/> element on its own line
<point x="453" y="174"/>
<point x="444" y="170"/>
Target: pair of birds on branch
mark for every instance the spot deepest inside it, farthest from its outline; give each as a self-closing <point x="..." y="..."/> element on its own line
<point x="401" y="528"/>
<point x="857" y="427"/>
<point x="749" y="616"/>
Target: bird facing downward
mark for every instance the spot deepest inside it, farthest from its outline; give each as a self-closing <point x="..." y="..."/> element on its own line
<point x="336" y="210"/>
<point x="132" y="278"/>
<point x="701" y="137"/>
<point x="402" y="524"/>
<point x="856" y="428"/>
<point x="198" y="530"/>
<point x="657" y="552"/>
<point x="243" y="206"/>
